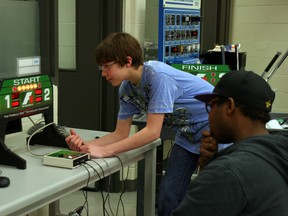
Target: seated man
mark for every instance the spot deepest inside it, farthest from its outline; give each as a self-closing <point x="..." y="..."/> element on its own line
<point x="250" y="177"/>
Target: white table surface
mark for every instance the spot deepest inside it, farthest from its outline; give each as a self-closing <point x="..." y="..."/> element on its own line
<point x="39" y="185"/>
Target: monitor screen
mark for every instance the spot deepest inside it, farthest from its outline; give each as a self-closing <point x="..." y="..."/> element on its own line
<point x="25" y="96"/>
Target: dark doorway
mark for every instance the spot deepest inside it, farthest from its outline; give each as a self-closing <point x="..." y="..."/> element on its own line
<point x="85" y="99"/>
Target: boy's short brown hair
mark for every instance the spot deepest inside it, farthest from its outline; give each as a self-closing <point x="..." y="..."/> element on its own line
<point x="116" y="47"/>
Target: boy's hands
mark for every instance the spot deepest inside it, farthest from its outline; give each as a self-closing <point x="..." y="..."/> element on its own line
<point x="74" y="141"/>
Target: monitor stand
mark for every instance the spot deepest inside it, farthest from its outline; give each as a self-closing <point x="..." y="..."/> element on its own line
<point x="9" y="158"/>
<point x="49" y="136"/>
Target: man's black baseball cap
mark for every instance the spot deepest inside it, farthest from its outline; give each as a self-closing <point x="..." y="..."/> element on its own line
<point x="246" y="87"/>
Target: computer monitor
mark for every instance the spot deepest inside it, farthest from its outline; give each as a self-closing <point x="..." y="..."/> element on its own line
<point x="21" y="97"/>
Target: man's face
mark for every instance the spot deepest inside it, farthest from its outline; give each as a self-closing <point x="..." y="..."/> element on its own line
<point x="219" y="121"/>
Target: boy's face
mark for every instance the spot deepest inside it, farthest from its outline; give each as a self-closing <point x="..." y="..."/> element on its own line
<point x="113" y="73"/>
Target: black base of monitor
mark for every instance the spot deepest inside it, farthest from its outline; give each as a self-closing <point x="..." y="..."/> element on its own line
<point x="50" y="136"/>
<point x="9" y="158"/>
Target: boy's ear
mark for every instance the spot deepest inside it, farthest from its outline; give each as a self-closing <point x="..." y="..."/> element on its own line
<point x="129" y="60"/>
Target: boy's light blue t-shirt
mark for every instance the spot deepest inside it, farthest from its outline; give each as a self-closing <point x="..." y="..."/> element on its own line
<point x="164" y="89"/>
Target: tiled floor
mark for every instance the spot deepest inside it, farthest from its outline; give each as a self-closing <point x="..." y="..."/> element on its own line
<point x="113" y="206"/>
<point x="113" y="202"/>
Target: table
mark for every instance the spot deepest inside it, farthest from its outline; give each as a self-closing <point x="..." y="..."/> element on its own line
<point x="40" y="185"/>
<point x="166" y="134"/>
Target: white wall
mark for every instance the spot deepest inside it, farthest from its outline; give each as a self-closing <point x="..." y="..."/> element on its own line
<point x="261" y="27"/>
<point x="134" y="18"/>
<point x="67" y="34"/>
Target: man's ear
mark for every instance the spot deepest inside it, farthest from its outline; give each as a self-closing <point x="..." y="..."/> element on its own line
<point x="230" y="105"/>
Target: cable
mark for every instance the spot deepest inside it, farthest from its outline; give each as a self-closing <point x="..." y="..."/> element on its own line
<point x="37" y="131"/>
<point x="86" y="192"/>
<point x="108" y="185"/>
<point x="101" y="192"/>
<point x="108" y="193"/>
<point x="38" y="124"/>
<point x="123" y="187"/>
<point x="78" y="210"/>
<point x="98" y="165"/>
<point x="109" y="177"/>
<point x="107" y="198"/>
<point x="31" y="120"/>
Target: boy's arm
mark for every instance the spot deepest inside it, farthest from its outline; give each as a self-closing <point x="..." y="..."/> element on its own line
<point x="119" y="141"/>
